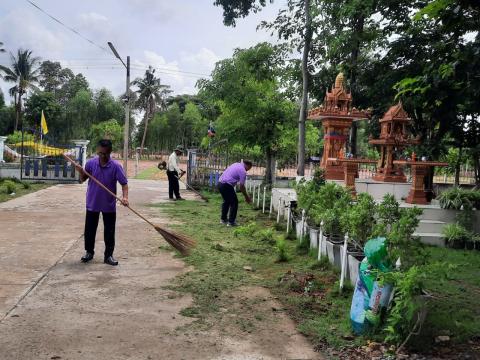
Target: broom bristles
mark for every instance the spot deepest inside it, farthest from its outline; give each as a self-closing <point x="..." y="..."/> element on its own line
<point x="180" y="242"/>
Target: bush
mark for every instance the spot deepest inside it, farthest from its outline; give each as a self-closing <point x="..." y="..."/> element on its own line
<point x="457" y="236"/>
<point x="388" y="210"/>
<point x="331" y="202"/>
<point x="266" y="236"/>
<point x="303" y="245"/>
<point x="402" y="243"/>
<point x="281" y="246"/>
<point x="245" y="230"/>
<point x="9" y="186"/>
<point x="359" y="219"/>
<point x="458" y="198"/>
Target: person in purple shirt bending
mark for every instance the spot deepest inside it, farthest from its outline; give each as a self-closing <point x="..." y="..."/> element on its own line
<point x="235" y="173"/>
<point x="108" y="172"/>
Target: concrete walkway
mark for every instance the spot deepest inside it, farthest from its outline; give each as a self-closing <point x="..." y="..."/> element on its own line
<point x="54" y="307"/>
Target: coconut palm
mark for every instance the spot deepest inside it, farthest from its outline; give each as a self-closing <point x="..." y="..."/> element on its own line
<point x="151" y="95"/>
<point x="24" y="73"/>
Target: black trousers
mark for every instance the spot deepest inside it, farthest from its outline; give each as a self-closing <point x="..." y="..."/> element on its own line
<point x="230" y="202"/>
<point x="173" y="185"/>
<point x="91" y="224"/>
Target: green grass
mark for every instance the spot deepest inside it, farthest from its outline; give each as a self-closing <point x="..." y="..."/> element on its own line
<point x="9" y="186"/>
<point x="221" y="254"/>
<point x="454" y="309"/>
<point x="147" y="174"/>
<point x="322" y="314"/>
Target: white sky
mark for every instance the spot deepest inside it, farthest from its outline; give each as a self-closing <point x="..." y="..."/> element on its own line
<point x="170" y="35"/>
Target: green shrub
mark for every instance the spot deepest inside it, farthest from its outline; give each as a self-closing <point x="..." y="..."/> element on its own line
<point x="26" y="185"/>
<point x="456" y="235"/>
<point x="332" y="200"/>
<point x="402" y="243"/>
<point x="281" y="246"/>
<point x="458" y="198"/>
<point x="359" y="219"/>
<point x="246" y="230"/>
<point x="388" y="210"/>
<point x="267" y="236"/>
<point x="9" y="186"/>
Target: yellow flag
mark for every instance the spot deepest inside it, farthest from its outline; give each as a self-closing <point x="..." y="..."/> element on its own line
<point x="43" y="124"/>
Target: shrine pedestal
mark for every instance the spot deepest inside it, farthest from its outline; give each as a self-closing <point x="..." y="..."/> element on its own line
<point x="334" y="172"/>
<point x="350" y="171"/>
<point x="417" y="193"/>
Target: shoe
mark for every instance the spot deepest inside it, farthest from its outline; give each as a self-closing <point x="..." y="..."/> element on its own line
<point x="223" y="222"/>
<point x="111" y="261"/>
<point x="232" y="224"/>
<point x="172" y="199"/>
<point x="180" y="198"/>
<point x="87" y="257"/>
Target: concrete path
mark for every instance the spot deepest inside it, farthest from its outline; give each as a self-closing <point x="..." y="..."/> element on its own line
<point x="54" y="307"/>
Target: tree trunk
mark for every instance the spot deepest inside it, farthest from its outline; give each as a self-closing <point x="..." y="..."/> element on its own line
<point x="18" y="114"/>
<point x="304" y="103"/>
<point x="457" y="167"/>
<point x="270" y="167"/>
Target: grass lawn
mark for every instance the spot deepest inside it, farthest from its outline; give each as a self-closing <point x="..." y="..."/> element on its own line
<point x="306" y="287"/>
<point x="151" y="173"/>
<point x="9" y="186"/>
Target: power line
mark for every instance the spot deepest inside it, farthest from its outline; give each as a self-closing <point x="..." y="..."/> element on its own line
<point x="66" y="26"/>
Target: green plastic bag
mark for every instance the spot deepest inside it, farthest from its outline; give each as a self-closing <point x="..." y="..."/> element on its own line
<point x="376" y="253"/>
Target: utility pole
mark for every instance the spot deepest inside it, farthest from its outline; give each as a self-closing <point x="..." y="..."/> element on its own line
<point x="126" y="127"/>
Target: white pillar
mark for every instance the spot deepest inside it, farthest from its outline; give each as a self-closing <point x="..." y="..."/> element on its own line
<point x="2" y="147"/>
<point x="253" y="195"/>
<point x="278" y="210"/>
<point x="258" y="195"/>
<point x="302" y="231"/>
<point x="271" y="205"/>
<point x="343" y="272"/>
<point x="263" y="205"/>
<point x="83" y="145"/>
<point x="289" y="216"/>
<point x="320" y="241"/>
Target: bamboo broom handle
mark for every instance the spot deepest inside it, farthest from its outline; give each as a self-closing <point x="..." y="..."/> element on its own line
<point x="106" y="189"/>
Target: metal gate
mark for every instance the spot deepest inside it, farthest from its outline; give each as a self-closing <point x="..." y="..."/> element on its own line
<point x="42" y="160"/>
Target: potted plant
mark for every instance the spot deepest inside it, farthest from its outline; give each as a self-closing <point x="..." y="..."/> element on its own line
<point x="456" y="236"/>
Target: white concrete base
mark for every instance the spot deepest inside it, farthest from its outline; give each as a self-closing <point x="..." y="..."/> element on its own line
<point x="379" y="189"/>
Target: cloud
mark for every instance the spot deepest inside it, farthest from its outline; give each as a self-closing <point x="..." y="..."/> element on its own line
<point x="204" y="59"/>
<point x="159" y="10"/>
<point x="22" y="29"/>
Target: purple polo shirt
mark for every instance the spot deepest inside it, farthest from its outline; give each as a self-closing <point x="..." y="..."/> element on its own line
<point x="234" y="174"/>
<point x="98" y="199"/>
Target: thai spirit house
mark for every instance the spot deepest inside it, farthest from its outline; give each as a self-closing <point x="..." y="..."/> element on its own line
<point x="336" y="115"/>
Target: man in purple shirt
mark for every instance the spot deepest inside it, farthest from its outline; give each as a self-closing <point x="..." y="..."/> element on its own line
<point x="235" y="173"/>
<point x="108" y="172"/>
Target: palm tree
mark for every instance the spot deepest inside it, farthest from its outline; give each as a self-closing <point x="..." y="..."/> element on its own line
<point x="24" y="73"/>
<point x="151" y="94"/>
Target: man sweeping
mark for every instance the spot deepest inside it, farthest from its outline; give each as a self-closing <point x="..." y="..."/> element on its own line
<point x="233" y="175"/>
<point x="173" y="172"/>
<point x="108" y="172"/>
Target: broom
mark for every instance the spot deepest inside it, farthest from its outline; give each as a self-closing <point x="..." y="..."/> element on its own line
<point x="163" y="166"/>
<point x="180" y="242"/>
